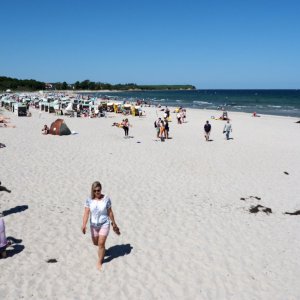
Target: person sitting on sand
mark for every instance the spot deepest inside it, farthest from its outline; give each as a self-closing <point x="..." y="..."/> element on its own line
<point x="4" y="119"/>
<point x="92" y="113"/>
<point x="45" y="130"/>
<point x="7" y="125"/>
<point x="98" y="207"/>
<point x="224" y="115"/>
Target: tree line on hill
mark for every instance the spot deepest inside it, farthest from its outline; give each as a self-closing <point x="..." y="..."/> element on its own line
<point x="20" y="85"/>
<point x="33" y="85"/>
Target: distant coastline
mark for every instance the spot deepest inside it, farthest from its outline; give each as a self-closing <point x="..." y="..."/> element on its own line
<point x="14" y="84"/>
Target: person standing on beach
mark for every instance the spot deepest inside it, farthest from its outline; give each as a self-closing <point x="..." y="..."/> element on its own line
<point x="207" y="129"/>
<point x="157" y="127"/>
<point x="98" y="207"/>
<point x="125" y="125"/>
<point x="166" y="128"/>
<point x="162" y="130"/>
<point x="167" y="111"/>
<point x="227" y="129"/>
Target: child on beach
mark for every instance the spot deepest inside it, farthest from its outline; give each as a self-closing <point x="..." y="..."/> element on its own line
<point x="98" y="207"/>
<point x="45" y="129"/>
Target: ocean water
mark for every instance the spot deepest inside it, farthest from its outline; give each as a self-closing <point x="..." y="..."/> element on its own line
<point x="273" y="102"/>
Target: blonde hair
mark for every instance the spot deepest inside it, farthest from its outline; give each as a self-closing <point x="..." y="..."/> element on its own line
<point x="95" y="185"/>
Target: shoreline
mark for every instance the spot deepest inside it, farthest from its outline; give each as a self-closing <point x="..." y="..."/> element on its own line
<point x="233" y="104"/>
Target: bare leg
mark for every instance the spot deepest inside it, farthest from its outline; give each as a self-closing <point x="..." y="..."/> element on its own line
<point x="95" y="240"/>
<point x="101" y="251"/>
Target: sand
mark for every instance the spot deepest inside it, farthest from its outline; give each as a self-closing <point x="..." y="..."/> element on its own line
<point x="185" y="232"/>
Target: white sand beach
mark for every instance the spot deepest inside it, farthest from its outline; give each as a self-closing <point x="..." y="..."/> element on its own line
<point x="185" y="232"/>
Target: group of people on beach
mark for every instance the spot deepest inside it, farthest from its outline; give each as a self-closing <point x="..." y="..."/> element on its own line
<point x="227" y="129"/>
<point x="181" y="115"/>
<point x="98" y="206"/>
<point x="162" y="128"/>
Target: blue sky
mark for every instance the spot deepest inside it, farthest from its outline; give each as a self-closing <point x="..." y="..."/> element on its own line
<point x="210" y="44"/>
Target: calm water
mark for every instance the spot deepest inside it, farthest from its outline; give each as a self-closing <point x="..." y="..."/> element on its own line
<point x="275" y="102"/>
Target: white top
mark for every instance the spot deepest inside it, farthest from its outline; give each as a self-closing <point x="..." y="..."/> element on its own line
<point x="227" y="127"/>
<point x="99" y="211"/>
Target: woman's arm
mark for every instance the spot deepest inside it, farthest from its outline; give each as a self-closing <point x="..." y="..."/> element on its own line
<point x="85" y="219"/>
<point x="113" y="222"/>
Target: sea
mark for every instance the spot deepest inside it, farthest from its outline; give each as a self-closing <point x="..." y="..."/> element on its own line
<point x="271" y="102"/>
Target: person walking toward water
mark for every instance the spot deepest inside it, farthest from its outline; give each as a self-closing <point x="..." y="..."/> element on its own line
<point x="98" y="207"/>
<point x="207" y="129"/>
<point x="227" y="129"/>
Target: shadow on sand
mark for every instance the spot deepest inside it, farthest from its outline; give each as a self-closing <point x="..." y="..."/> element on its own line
<point x="4" y="189"/>
<point x="15" y="248"/>
<point x="116" y="251"/>
<point x="15" y="210"/>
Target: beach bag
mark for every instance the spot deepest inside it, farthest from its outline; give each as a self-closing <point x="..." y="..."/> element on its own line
<point x="155" y="125"/>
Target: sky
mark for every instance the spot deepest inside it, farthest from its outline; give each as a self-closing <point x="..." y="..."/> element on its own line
<point x="209" y="44"/>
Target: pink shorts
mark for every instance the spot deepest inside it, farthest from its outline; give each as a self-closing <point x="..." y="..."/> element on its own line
<point x="104" y="230"/>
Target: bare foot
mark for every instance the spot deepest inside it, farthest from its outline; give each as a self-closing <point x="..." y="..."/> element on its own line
<point x="99" y="266"/>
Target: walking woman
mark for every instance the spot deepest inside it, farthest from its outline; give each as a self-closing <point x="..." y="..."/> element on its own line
<point x="98" y="207"/>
